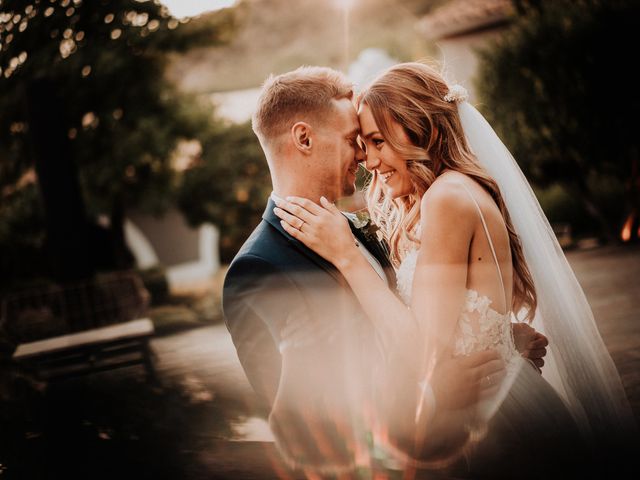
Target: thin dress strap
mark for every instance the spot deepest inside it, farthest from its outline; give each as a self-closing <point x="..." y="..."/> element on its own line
<point x="493" y="251"/>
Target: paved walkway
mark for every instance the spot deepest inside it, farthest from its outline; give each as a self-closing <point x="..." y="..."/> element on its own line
<point x="205" y="359"/>
<point x="610" y="278"/>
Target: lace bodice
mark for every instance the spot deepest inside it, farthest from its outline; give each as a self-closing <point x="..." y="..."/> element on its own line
<point x="479" y="327"/>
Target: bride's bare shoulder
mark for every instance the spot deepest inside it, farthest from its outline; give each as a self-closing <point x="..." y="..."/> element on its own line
<point x="447" y="193"/>
<point x="446" y="205"/>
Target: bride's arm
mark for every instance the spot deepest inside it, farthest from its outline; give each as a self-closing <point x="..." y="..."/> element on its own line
<point x="424" y="330"/>
<point x="448" y="220"/>
<point x="447" y="224"/>
<point x="326" y="232"/>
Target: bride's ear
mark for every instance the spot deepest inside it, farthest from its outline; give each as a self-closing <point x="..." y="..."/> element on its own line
<point x="302" y="138"/>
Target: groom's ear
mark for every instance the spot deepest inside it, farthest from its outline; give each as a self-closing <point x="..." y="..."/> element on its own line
<point x="302" y="138"/>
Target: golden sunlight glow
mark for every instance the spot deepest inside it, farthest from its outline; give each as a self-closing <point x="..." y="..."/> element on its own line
<point x="67" y="47"/>
<point x="191" y="8"/>
<point x="345" y="4"/>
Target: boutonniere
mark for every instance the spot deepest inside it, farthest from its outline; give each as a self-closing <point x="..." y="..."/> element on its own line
<point x="363" y="223"/>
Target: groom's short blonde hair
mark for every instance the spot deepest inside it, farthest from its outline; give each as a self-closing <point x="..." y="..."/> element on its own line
<point x="302" y="94"/>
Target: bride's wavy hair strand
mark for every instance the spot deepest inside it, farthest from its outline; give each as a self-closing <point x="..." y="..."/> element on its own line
<point x="412" y="95"/>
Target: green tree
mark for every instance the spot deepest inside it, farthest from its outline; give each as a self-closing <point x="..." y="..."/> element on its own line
<point x="228" y="187"/>
<point x="558" y="87"/>
<point x="86" y="106"/>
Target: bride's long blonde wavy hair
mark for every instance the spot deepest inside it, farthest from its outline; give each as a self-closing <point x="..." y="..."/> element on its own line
<point x="412" y="95"/>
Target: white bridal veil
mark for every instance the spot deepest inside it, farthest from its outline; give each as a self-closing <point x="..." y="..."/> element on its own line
<point x="580" y="367"/>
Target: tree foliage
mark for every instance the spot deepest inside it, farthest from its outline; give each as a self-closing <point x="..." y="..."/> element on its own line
<point x="104" y="60"/>
<point x="558" y="86"/>
<point x="228" y="187"/>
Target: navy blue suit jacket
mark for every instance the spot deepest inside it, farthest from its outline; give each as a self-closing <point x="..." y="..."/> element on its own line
<point x="273" y="279"/>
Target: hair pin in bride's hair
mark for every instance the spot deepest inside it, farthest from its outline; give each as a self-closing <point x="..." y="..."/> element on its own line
<point x="457" y="93"/>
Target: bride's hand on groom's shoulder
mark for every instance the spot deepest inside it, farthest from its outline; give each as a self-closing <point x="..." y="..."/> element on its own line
<point x="530" y="343"/>
<point x="322" y="228"/>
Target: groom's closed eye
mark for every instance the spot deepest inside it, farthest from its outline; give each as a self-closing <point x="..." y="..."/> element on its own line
<point x="354" y="143"/>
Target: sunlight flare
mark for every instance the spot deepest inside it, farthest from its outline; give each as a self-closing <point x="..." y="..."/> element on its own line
<point x="191" y="8"/>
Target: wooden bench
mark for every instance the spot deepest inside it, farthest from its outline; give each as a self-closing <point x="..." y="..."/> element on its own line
<point x="76" y="329"/>
<point x="119" y="345"/>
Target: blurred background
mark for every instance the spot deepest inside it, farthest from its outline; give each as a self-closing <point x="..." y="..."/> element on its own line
<point x="129" y="178"/>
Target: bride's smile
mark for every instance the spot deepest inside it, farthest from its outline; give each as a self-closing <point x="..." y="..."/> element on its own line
<point x="382" y="160"/>
<point x="386" y="175"/>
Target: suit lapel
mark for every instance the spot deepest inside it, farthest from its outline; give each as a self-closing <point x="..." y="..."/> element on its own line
<point x="378" y="250"/>
<point x="271" y="218"/>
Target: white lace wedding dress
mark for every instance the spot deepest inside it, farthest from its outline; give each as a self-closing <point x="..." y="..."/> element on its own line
<point x="525" y="429"/>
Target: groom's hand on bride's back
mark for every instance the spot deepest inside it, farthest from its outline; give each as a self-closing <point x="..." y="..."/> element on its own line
<point x="461" y="381"/>
<point x="531" y="344"/>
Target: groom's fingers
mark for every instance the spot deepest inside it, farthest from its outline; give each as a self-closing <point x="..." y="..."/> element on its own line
<point x="537" y="353"/>
<point x="306" y="204"/>
<point x="489" y="373"/>
<point x="539" y="341"/>
<point x="490" y="390"/>
<point x="495" y="370"/>
<point x="485" y="364"/>
<point x="477" y="359"/>
<point x="538" y="362"/>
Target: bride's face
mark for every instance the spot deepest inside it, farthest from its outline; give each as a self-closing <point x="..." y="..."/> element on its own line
<point x="382" y="160"/>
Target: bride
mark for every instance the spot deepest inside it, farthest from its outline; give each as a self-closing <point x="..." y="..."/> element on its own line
<point x="473" y="251"/>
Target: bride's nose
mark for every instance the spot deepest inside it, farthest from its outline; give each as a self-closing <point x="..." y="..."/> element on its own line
<point x="372" y="162"/>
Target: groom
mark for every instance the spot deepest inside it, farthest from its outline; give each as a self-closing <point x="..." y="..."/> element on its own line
<point x="300" y="334"/>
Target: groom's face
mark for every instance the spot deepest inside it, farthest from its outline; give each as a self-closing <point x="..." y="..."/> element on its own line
<point x="339" y="152"/>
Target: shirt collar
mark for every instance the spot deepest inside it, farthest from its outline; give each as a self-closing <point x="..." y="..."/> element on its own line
<point x="276" y="198"/>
